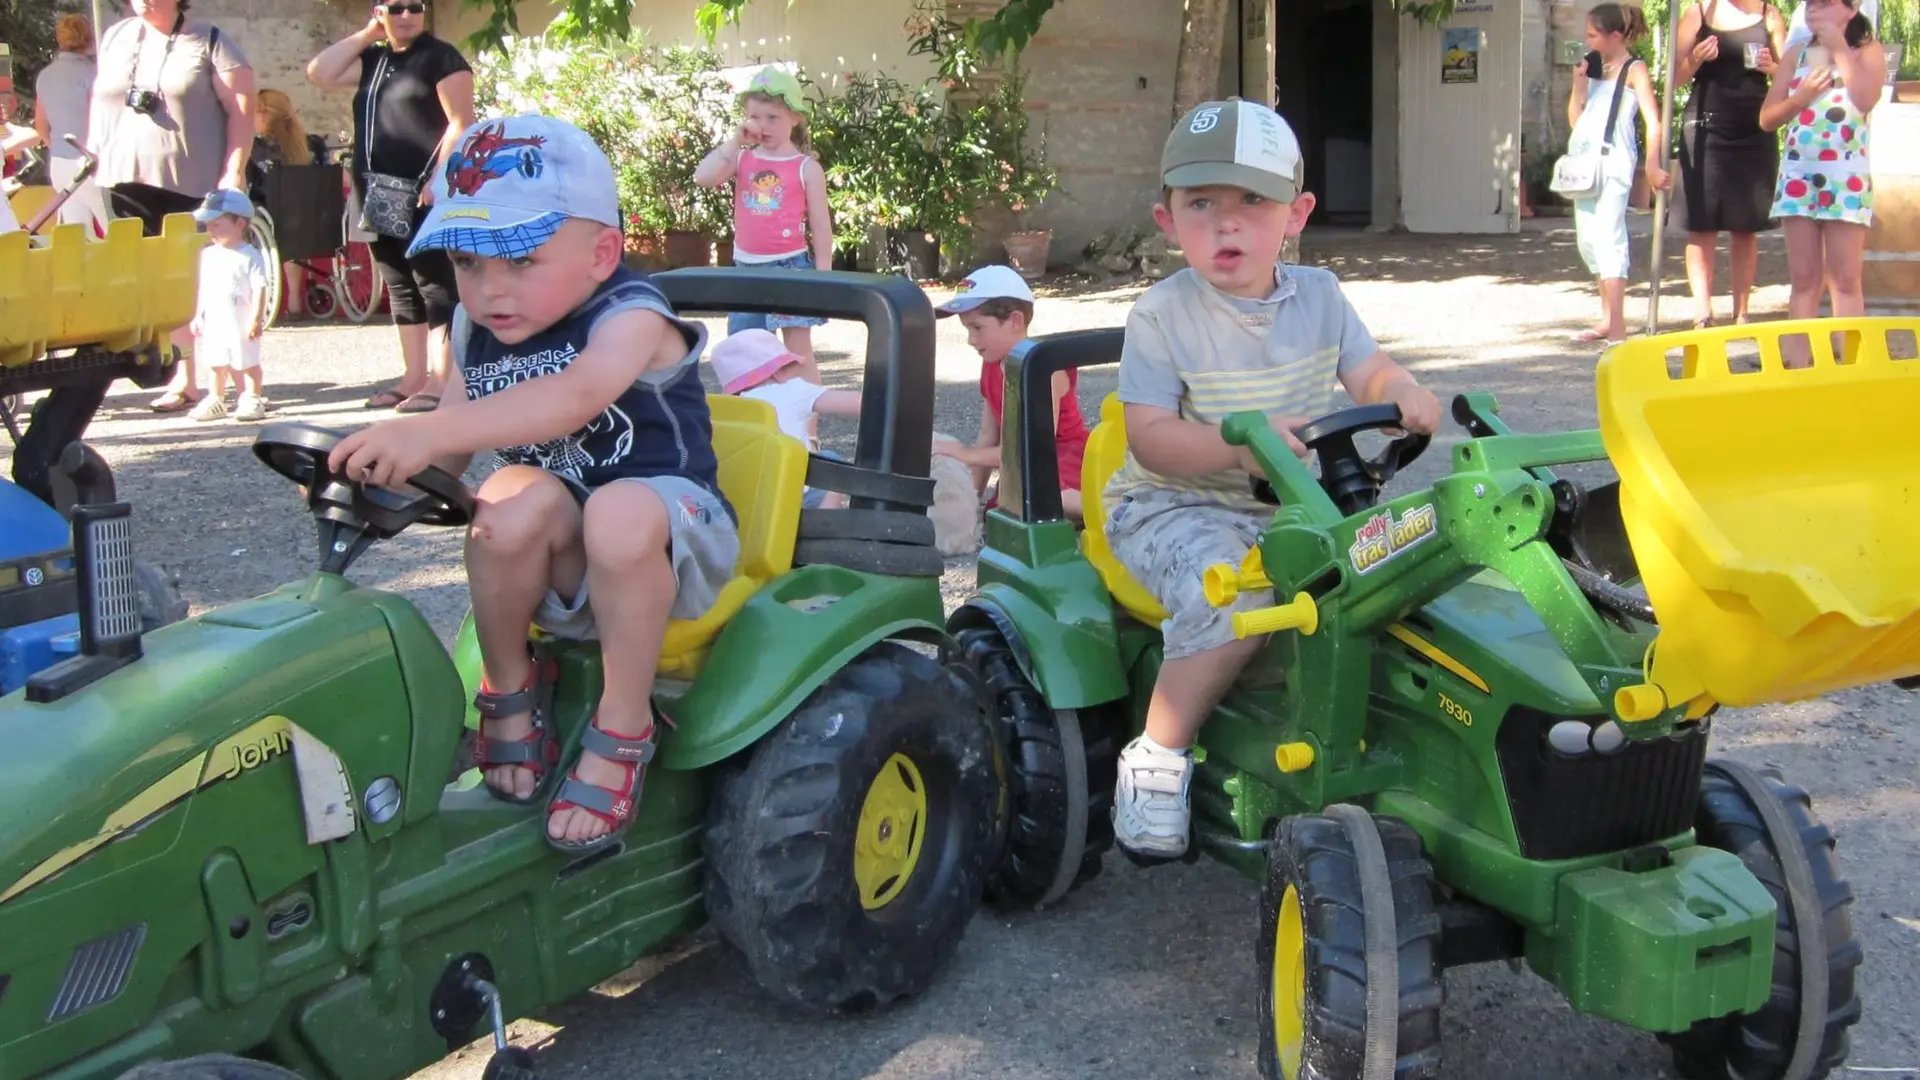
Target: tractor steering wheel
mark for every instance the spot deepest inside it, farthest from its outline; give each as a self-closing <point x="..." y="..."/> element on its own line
<point x="1351" y="481"/>
<point x="350" y="514"/>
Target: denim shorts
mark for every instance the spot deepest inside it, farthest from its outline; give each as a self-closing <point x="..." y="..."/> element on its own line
<point x="742" y="320"/>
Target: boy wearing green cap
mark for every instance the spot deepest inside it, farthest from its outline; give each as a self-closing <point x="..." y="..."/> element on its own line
<point x="1236" y="331"/>
<point x="780" y="216"/>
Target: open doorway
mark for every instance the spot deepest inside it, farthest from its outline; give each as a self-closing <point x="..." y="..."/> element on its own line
<point x="1323" y="85"/>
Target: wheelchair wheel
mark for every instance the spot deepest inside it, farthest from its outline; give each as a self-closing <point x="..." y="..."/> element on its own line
<point x="260" y="235"/>
<point x="357" y="281"/>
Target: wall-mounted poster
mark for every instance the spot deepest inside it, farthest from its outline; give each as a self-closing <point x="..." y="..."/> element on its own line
<point x="1460" y="55"/>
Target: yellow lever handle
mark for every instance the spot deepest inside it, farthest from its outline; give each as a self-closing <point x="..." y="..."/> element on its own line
<point x="1300" y="614"/>
<point x="1224" y="582"/>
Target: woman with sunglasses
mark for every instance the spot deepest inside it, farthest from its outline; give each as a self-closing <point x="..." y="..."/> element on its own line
<point x="413" y="97"/>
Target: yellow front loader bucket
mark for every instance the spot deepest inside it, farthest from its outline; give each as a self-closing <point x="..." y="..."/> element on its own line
<point x="1774" y="514"/>
<point x="119" y="294"/>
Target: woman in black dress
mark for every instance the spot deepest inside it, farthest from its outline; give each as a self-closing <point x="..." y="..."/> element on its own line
<point x="413" y="98"/>
<point x="1728" y="50"/>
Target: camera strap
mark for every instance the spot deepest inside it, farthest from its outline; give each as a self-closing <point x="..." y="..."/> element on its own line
<point x="140" y="50"/>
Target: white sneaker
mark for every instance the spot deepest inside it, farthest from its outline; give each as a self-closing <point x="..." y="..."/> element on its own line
<point x="251" y="407"/>
<point x="211" y="407"/>
<point x="1151" y="814"/>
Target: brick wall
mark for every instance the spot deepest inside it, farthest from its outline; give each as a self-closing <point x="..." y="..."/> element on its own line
<point x="279" y="37"/>
<point x="1100" y="87"/>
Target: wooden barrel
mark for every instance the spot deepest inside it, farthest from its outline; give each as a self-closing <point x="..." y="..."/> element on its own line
<point x="1891" y="276"/>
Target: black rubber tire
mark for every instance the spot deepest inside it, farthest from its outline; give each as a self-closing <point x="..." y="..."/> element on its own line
<point x="1037" y="779"/>
<point x="1758" y="1045"/>
<point x="1315" y="855"/>
<point x="159" y="596"/>
<point x="883" y="526"/>
<point x="780" y="835"/>
<point x="891" y="560"/>
<point x="209" y="1067"/>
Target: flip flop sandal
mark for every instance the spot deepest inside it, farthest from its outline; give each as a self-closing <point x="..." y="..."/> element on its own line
<point x="419" y="403"/>
<point x="1587" y="337"/>
<point x="617" y="807"/>
<point x="384" y="399"/>
<point x="174" y="402"/>
<point x="538" y="750"/>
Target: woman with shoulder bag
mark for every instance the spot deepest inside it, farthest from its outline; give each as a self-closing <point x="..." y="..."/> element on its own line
<point x="413" y="98"/>
<point x="1597" y="172"/>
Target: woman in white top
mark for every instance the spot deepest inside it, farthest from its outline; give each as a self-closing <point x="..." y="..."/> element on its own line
<point x="1600" y="221"/>
<point x="62" y="94"/>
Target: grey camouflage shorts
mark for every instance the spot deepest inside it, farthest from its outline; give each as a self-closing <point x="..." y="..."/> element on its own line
<point x="705" y="545"/>
<point x="1167" y="540"/>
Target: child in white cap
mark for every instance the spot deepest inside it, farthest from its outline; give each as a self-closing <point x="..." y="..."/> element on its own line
<point x="754" y="364"/>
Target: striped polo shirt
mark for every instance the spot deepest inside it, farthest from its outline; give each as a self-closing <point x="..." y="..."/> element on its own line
<point x="1206" y="354"/>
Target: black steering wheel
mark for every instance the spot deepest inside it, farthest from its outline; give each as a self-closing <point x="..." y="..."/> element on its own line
<point x="1351" y="481"/>
<point x="352" y="515"/>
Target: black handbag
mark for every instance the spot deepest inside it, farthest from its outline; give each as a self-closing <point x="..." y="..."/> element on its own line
<point x="390" y="201"/>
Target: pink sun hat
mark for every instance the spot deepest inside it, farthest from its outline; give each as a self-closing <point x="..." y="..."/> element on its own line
<point x="746" y="359"/>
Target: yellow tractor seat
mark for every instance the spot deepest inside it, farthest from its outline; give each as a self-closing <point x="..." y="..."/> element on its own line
<point x="1106" y="452"/>
<point x="763" y="473"/>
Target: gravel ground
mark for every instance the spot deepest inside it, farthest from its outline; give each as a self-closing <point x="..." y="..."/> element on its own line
<point x="1142" y="973"/>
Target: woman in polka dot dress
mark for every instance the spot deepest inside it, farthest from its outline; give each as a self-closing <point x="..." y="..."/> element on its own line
<point x="1825" y="193"/>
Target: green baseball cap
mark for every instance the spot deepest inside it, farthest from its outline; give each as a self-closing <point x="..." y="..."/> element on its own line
<point x="1238" y="143"/>
<point x="774" y="82"/>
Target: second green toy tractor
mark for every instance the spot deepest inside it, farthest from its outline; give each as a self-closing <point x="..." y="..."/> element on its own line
<point x="1470" y="736"/>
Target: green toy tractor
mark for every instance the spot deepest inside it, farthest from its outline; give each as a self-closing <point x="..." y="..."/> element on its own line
<point x="238" y="834"/>
<point x="1460" y="743"/>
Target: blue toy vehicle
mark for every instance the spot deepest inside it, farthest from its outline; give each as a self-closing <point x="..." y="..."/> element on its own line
<point x="39" y="600"/>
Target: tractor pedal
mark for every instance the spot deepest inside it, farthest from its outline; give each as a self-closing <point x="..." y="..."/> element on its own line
<point x="1911" y="682"/>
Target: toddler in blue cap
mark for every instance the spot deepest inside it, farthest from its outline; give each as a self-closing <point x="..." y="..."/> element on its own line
<point x="582" y="383"/>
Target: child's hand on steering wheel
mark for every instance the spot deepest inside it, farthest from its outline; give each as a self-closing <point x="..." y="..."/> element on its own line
<point x="385" y="455"/>
<point x="1419" y="409"/>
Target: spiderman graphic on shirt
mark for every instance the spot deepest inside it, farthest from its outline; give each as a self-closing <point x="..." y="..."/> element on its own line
<point x="488" y="155"/>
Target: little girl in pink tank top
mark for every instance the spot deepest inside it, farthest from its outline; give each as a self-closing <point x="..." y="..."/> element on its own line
<point x="780" y="216"/>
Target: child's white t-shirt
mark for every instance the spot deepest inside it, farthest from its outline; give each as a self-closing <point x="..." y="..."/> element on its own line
<point x="792" y="403"/>
<point x="8" y="222"/>
<point x="229" y="279"/>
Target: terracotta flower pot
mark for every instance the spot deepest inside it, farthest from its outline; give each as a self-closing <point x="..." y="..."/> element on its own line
<point x="1028" y="250"/>
<point x="688" y="248"/>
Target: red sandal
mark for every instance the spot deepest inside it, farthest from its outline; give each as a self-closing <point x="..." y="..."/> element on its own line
<point x="615" y="806"/>
<point x="538" y="750"/>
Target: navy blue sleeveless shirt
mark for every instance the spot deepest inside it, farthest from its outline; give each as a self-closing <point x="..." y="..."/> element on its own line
<point x="659" y="426"/>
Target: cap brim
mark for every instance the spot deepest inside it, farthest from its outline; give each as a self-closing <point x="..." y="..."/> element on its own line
<point x="1226" y="174"/>
<point x="960" y="305"/>
<point x="495" y="232"/>
<point x="749" y="379"/>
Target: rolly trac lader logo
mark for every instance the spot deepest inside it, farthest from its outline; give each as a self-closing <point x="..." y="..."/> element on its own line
<point x="1382" y="538"/>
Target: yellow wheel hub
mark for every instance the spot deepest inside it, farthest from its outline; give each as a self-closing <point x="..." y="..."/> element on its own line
<point x="1289" y="985"/>
<point x="893" y="825"/>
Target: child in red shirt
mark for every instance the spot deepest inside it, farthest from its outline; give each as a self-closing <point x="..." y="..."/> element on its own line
<point x="996" y="307"/>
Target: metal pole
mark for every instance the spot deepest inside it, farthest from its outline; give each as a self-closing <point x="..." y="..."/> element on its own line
<point x="1666" y="164"/>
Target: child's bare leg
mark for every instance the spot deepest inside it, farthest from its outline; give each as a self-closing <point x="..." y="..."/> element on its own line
<point x="1806" y="277"/>
<point x="524" y="539"/>
<point x="631" y="586"/>
<point x="1168" y="549"/>
<point x="257" y="380"/>
<point x="799" y="342"/>
<point x="1613" y="306"/>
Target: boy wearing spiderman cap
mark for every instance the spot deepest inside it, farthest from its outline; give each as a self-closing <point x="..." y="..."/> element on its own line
<point x="583" y="383"/>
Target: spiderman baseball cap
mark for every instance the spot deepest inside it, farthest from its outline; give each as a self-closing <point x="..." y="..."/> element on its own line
<point x="510" y="185"/>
